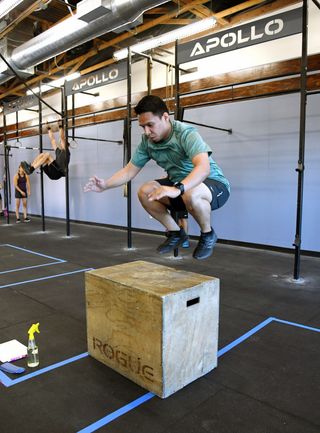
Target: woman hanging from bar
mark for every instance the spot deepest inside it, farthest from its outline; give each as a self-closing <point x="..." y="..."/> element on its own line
<point x="57" y="167"/>
<point x="22" y="192"/>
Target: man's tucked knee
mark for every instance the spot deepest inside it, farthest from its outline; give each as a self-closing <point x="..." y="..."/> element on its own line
<point x="189" y="201"/>
<point x="145" y="189"/>
<point x="193" y="201"/>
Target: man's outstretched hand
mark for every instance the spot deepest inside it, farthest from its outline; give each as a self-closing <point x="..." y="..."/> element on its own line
<point x="95" y="184"/>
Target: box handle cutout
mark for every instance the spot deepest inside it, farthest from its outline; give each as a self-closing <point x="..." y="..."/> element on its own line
<point x="193" y="301"/>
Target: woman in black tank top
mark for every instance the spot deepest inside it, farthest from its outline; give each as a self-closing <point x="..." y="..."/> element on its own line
<point x="22" y="191"/>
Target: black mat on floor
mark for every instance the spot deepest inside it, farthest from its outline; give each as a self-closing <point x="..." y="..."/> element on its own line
<point x="267" y="383"/>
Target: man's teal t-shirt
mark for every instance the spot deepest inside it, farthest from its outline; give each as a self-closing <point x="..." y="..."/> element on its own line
<point x="175" y="154"/>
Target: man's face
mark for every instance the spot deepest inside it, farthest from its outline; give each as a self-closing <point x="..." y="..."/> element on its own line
<point x="156" y="128"/>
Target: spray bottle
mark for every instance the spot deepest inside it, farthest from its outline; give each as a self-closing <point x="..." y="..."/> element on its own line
<point x="33" y="351"/>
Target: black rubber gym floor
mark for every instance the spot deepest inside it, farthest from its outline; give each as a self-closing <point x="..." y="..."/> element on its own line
<point x="268" y="374"/>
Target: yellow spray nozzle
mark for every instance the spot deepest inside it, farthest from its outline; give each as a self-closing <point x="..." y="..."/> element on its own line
<point x="34" y="328"/>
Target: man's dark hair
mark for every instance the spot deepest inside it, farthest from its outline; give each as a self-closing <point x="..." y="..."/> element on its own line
<point x="151" y="103"/>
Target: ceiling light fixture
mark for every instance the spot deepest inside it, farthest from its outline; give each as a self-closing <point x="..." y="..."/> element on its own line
<point x="166" y="38"/>
<point x="7" y="5"/>
<point x="56" y="83"/>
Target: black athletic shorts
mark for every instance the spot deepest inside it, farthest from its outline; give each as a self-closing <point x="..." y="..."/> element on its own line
<point x="176" y="204"/>
<point x="219" y="192"/>
<point x="62" y="159"/>
<point x="58" y="167"/>
<point x="52" y="171"/>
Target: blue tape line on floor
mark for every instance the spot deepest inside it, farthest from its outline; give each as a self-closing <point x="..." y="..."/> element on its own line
<point x="116" y="414"/>
<point x="46" y="278"/>
<point x="297" y="325"/>
<point x="111" y="417"/>
<point x="32" y="252"/>
<point x="13" y="382"/>
<point x="31" y="267"/>
<point x="56" y="260"/>
<point x="244" y="336"/>
<point x="127" y="408"/>
<point x="4" y="379"/>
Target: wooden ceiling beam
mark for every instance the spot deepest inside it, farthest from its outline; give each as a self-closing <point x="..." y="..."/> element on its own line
<point x="263" y="9"/>
<point x="193" y="10"/>
<point x="180" y="21"/>
<point x="24" y="14"/>
<point x="199" y="11"/>
<point x="157" y="11"/>
<point x="76" y="67"/>
<point x="205" y="11"/>
<point x="55" y="62"/>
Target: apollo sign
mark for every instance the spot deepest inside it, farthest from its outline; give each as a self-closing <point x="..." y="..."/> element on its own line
<point x="99" y="78"/>
<point x="267" y="29"/>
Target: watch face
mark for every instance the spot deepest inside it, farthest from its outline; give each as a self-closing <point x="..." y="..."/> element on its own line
<point x="180" y="186"/>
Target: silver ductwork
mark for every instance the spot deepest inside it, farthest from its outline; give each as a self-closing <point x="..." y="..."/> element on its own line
<point x="73" y="31"/>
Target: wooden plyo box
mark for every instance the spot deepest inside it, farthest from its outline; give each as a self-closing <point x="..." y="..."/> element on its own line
<point x="155" y="325"/>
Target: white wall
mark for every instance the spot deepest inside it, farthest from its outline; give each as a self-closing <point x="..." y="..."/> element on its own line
<point x="259" y="159"/>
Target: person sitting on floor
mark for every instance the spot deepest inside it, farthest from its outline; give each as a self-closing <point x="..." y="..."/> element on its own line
<point x="54" y="168"/>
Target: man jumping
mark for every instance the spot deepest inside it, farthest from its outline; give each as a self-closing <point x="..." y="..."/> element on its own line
<point x="194" y="183"/>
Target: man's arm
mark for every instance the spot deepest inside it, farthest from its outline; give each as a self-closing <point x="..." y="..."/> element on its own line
<point x="63" y="143"/>
<point x="121" y="177"/>
<point x="199" y="173"/>
<point x="52" y="139"/>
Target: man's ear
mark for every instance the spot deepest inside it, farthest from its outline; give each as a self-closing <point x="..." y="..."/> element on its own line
<point x="166" y="116"/>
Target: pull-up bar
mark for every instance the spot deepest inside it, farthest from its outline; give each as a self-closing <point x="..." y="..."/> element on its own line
<point x="229" y="131"/>
<point x="26" y="147"/>
<point x="97" y="139"/>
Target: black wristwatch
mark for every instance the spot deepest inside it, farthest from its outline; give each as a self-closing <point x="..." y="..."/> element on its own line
<point x="180" y="186"/>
